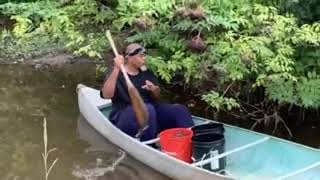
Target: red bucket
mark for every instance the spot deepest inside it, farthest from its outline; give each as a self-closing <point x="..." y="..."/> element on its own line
<point x="176" y="142"/>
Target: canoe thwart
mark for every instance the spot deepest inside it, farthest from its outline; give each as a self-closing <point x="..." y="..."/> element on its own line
<point x="206" y="161"/>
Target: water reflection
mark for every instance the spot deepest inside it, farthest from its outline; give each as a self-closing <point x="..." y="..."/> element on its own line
<point x="26" y="97"/>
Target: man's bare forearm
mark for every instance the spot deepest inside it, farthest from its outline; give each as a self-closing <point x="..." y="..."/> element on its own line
<point x="110" y="85"/>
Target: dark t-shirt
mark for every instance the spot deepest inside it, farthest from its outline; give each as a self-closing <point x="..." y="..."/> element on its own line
<point x="121" y="98"/>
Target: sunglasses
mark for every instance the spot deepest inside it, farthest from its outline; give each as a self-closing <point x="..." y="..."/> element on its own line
<point x="140" y="51"/>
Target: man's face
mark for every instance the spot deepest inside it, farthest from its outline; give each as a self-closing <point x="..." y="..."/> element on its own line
<point x="136" y="55"/>
<point x="138" y="60"/>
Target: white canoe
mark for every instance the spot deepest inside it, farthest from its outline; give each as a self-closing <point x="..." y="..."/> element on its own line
<point x="250" y="155"/>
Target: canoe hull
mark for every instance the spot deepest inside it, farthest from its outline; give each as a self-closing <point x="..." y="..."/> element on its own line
<point x="250" y="155"/>
<point x="89" y="103"/>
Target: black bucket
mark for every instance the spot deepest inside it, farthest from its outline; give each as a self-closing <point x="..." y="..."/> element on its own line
<point x="206" y="146"/>
<point x="208" y="128"/>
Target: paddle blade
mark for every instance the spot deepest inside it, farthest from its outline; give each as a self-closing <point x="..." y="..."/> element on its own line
<point x="139" y="107"/>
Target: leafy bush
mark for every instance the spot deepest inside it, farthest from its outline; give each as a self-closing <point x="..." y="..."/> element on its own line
<point x="76" y="25"/>
<point x="245" y="41"/>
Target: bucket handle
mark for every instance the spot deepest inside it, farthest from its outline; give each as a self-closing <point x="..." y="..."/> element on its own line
<point x="179" y="134"/>
<point x="202" y="158"/>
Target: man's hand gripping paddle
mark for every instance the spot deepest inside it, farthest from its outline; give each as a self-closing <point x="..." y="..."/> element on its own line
<point x="138" y="104"/>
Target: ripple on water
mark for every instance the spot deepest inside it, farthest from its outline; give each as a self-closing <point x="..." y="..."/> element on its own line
<point x="100" y="168"/>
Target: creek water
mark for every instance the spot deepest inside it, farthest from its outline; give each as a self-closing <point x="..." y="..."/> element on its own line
<point x="27" y="96"/>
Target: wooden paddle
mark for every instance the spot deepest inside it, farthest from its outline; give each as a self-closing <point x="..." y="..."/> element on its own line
<point x="138" y="104"/>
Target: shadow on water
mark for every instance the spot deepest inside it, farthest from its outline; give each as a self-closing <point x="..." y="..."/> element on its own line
<point x="26" y="97"/>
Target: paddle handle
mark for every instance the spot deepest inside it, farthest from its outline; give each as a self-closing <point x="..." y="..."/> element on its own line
<point x="115" y="51"/>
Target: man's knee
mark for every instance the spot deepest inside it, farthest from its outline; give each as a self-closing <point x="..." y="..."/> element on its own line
<point x="183" y="117"/>
<point x="128" y="125"/>
<point x="181" y="108"/>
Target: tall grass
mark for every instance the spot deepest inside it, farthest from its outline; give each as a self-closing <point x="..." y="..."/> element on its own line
<point x="46" y="152"/>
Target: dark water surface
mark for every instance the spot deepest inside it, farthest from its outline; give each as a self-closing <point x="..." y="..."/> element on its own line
<point x="27" y="96"/>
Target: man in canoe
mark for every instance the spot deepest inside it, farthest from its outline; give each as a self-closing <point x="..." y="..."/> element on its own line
<point x="161" y="116"/>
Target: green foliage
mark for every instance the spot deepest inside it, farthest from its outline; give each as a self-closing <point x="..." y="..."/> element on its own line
<point x="16" y="1"/>
<point x="308" y="89"/>
<point x="283" y="91"/>
<point x="219" y="102"/>
<point x="307" y="11"/>
<point x="246" y="41"/>
<point x="158" y="65"/>
<point x="257" y="43"/>
<point x="307" y="35"/>
<point x="101" y="70"/>
<point x="304" y="92"/>
<point x="74" y="25"/>
<point x="130" y="11"/>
